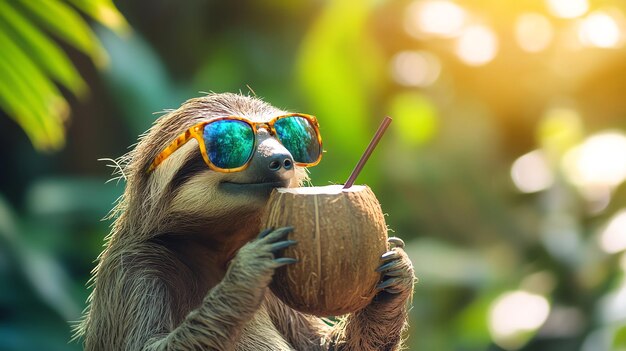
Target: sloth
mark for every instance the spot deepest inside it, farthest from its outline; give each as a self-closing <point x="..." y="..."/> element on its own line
<point x="186" y="266"/>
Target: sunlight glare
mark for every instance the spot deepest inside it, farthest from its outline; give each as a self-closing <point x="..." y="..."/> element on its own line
<point x="435" y="17"/>
<point x="568" y="8"/>
<point x="600" y="29"/>
<point x="477" y="45"/>
<point x="531" y="172"/>
<point x="613" y="237"/>
<point x="514" y="314"/>
<point x="533" y="32"/>
<point x="415" y="68"/>
<point x="600" y="161"/>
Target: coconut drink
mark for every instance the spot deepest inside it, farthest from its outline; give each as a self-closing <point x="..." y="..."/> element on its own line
<point x="341" y="235"/>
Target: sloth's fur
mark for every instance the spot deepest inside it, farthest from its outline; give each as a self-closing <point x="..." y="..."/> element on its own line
<point x="182" y="269"/>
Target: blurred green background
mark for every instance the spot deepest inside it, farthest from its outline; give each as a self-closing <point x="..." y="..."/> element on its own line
<point x="503" y="169"/>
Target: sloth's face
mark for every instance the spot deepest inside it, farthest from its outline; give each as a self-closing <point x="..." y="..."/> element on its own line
<point x="197" y="189"/>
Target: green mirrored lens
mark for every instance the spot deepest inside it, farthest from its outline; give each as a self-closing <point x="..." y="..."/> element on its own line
<point x="298" y="136"/>
<point x="229" y="143"/>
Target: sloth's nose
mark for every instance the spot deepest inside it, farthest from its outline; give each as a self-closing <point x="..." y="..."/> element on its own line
<point x="280" y="161"/>
<point x="272" y="161"/>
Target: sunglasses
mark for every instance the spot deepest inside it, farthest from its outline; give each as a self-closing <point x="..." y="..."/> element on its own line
<point x="228" y="143"/>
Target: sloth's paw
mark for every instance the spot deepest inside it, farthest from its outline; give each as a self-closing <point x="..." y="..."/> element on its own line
<point x="257" y="260"/>
<point x="397" y="274"/>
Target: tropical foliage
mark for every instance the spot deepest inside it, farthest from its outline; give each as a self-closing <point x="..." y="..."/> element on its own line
<point x="34" y="66"/>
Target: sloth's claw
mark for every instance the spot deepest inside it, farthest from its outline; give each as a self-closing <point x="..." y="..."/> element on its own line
<point x="264" y="233"/>
<point x="393" y="290"/>
<point x="281" y="245"/>
<point x="395" y="242"/>
<point x="272" y="235"/>
<point x="394" y="273"/>
<point x="283" y="261"/>
<point x="387" y="283"/>
<point x="387" y="266"/>
<point x="389" y="255"/>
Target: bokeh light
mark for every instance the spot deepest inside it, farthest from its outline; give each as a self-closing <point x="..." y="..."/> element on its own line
<point x="514" y="314"/>
<point x="600" y="29"/>
<point x="531" y="172"/>
<point x="600" y="161"/>
<point x="533" y="32"/>
<point x="613" y="236"/>
<point x="439" y="18"/>
<point x="568" y="8"/>
<point x="415" y="68"/>
<point x="477" y="45"/>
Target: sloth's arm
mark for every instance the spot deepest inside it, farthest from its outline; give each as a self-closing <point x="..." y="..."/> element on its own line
<point x="215" y="325"/>
<point x="377" y="327"/>
<point x="147" y="315"/>
<point x="218" y="321"/>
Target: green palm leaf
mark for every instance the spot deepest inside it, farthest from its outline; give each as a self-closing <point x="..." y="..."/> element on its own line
<point x="31" y="62"/>
<point x="29" y="86"/>
<point x="40" y="48"/>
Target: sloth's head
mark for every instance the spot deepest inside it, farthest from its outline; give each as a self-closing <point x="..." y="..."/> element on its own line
<point x="200" y="162"/>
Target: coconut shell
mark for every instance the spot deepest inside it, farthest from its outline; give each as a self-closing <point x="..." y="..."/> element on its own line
<point x="341" y="235"/>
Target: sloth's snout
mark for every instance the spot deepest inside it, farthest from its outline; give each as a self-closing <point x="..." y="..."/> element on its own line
<point x="272" y="162"/>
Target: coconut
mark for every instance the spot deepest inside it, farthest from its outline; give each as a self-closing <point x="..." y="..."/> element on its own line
<point x="341" y="235"/>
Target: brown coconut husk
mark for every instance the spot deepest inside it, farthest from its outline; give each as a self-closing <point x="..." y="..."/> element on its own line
<point x="341" y="235"/>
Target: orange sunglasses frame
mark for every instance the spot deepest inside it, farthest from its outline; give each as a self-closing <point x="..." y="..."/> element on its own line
<point x="196" y="131"/>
